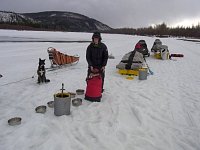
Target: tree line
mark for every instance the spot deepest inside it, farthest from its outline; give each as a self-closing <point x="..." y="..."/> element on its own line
<point x="161" y="30"/>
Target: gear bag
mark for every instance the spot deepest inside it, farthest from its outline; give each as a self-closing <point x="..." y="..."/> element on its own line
<point x="94" y="88"/>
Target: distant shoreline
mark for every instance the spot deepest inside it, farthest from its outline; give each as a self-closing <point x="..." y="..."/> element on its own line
<point x="45" y="41"/>
<point x="190" y="40"/>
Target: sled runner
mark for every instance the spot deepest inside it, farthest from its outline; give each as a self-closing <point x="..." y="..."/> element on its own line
<point x="58" y="59"/>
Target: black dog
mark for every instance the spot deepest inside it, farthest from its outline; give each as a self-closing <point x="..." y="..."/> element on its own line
<point x="41" y="72"/>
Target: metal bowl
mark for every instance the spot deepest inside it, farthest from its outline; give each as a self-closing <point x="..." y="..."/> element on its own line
<point x="50" y="104"/>
<point x="72" y="95"/>
<point x="80" y="92"/>
<point x="41" y="109"/>
<point x="77" y="102"/>
<point x="14" y="121"/>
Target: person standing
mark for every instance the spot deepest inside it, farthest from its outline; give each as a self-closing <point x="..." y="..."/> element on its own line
<point x="97" y="56"/>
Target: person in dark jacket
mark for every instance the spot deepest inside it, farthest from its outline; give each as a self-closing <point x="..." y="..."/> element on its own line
<point x="97" y="56"/>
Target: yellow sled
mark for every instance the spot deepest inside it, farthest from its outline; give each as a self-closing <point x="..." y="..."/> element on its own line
<point x="162" y="53"/>
<point x="157" y="55"/>
<point x="128" y="72"/>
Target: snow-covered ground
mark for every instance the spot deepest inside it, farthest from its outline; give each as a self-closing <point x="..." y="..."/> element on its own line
<point x="160" y="113"/>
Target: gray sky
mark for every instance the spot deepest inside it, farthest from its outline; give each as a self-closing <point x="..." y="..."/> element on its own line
<point x="117" y="13"/>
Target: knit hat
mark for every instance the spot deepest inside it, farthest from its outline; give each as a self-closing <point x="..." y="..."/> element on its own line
<point x="96" y="35"/>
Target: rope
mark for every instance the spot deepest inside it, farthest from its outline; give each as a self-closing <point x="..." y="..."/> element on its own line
<point x="62" y="69"/>
<point x="16" y="81"/>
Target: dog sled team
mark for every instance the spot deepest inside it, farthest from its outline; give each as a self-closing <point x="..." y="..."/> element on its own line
<point x="97" y="57"/>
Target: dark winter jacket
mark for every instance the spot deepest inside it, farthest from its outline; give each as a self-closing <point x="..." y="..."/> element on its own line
<point x="97" y="55"/>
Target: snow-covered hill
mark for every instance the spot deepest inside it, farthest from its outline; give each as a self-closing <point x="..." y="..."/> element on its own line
<point x="11" y="17"/>
<point x="160" y="113"/>
<point x="68" y="21"/>
<point x="53" y="20"/>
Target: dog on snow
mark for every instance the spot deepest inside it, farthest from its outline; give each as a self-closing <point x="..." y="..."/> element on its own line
<point x="42" y="72"/>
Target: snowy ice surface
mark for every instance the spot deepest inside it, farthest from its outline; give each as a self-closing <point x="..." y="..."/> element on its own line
<point x="160" y="113"/>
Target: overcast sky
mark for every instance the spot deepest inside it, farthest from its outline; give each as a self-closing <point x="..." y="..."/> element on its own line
<point x="117" y="13"/>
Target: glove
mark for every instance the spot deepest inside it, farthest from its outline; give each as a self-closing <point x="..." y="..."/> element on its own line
<point x="94" y="70"/>
<point x="91" y="68"/>
<point x="103" y="69"/>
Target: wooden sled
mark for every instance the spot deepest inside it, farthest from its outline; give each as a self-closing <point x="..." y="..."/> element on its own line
<point x="59" y="59"/>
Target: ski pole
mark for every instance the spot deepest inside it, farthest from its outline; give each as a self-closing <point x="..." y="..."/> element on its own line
<point x="151" y="72"/>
